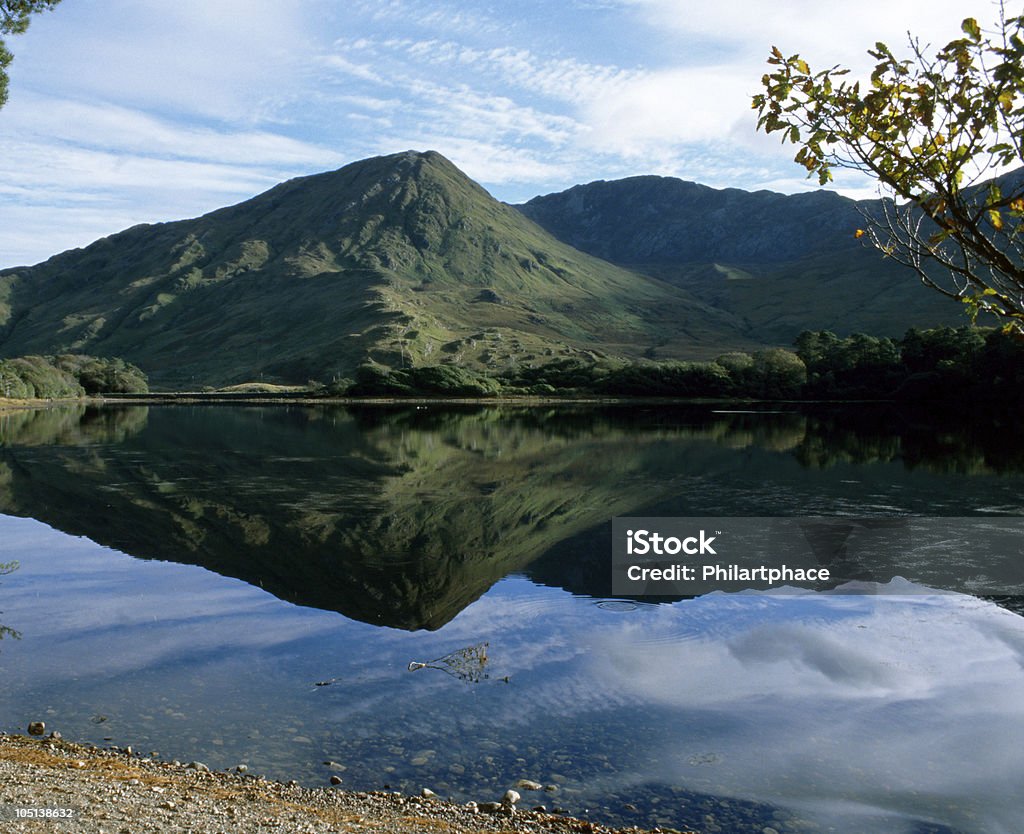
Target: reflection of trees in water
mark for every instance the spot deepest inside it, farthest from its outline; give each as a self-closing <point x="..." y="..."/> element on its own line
<point x="72" y="425"/>
<point x="817" y="436"/>
<point x="6" y="631"/>
<point x="404" y="515"/>
<point x="937" y="441"/>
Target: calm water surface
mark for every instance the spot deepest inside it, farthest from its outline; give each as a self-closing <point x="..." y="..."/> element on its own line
<point x="246" y="585"/>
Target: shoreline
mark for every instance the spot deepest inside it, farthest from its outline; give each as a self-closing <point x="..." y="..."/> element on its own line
<point x="233" y="398"/>
<point x="115" y="790"/>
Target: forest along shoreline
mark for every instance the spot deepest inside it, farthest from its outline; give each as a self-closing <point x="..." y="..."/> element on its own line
<point x="120" y="790"/>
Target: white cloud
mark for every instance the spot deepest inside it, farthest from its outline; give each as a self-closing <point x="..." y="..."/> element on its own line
<point x="486" y="162"/>
<point x="702" y="95"/>
<point x="148" y="111"/>
<point x="64" y="186"/>
<point x="825" y="33"/>
<point x="431" y="15"/>
<point x="784" y="675"/>
<point x="119" y="129"/>
<point x="363" y="72"/>
<point x="226" y="60"/>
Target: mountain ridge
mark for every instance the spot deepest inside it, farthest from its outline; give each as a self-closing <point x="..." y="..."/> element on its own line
<point x="402" y="261"/>
<point x="780" y="263"/>
<point x="396" y="260"/>
<point x="695" y="222"/>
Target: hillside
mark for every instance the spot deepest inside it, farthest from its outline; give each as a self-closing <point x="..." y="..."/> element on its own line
<point x="399" y="260"/>
<point x="778" y="263"/>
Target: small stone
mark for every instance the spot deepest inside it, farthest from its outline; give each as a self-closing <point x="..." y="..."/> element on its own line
<point x="426" y="793"/>
<point x="198" y="766"/>
<point x="489" y="807"/>
<point x="56" y="736"/>
<point x="127" y="750"/>
<point x="529" y="785"/>
<point x="541" y="809"/>
<point x="241" y="768"/>
<point x="36" y="728"/>
<point x="335" y="780"/>
<point x="510" y="798"/>
<point x="472" y="807"/>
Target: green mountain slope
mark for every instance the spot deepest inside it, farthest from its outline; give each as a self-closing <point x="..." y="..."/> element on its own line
<point x="400" y="260"/>
<point x="779" y="263"/>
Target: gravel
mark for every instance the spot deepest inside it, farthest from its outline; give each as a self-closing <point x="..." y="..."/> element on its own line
<point x="112" y="792"/>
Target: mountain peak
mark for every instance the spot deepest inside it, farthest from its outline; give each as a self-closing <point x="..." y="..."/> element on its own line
<point x="398" y="260"/>
<point x="654" y="220"/>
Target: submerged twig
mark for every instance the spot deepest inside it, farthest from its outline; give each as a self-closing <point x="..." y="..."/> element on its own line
<point x="466" y="664"/>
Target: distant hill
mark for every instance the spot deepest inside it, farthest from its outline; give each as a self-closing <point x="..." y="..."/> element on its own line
<point x="778" y="263"/>
<point x="399" y="260"/>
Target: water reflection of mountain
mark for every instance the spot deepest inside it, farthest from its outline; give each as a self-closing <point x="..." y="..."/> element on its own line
<point x="404" y="516"/>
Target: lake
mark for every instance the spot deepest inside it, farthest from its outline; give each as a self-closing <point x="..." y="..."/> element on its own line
<point x="249" y="585"/>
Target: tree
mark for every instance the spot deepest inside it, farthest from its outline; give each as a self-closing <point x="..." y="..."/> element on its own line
<point x="14" y="18"/>
<point x="938" y="132"/>
<point x="777" y="373"/>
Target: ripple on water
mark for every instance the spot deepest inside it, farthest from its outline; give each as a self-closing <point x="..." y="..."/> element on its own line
<point x="620" y="605"/>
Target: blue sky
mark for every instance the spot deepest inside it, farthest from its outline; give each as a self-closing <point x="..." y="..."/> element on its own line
<point x="137" y="111"/>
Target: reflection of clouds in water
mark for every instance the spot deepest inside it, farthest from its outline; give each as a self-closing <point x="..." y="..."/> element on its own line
<point x="842" y="714"/>
<point x="844" y="706"/>
<point x="118" y="614"/>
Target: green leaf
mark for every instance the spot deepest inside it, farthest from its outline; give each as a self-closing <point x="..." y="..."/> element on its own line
<point x="971" y="28"/>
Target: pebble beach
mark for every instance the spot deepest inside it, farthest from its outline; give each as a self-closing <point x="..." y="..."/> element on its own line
<point x="49" y="784"/>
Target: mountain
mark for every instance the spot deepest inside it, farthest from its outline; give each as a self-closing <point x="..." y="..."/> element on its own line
<point x="778" y="263"/>
<point x="397" y="260"/>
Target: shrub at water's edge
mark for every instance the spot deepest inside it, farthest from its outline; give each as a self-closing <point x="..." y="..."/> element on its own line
<point x="68" y="376"/>
<point x="938" y="364"/>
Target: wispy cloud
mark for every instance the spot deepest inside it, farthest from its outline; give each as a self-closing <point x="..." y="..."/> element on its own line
<point x="123" y="167"/>
<point x="823" y="32"/>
